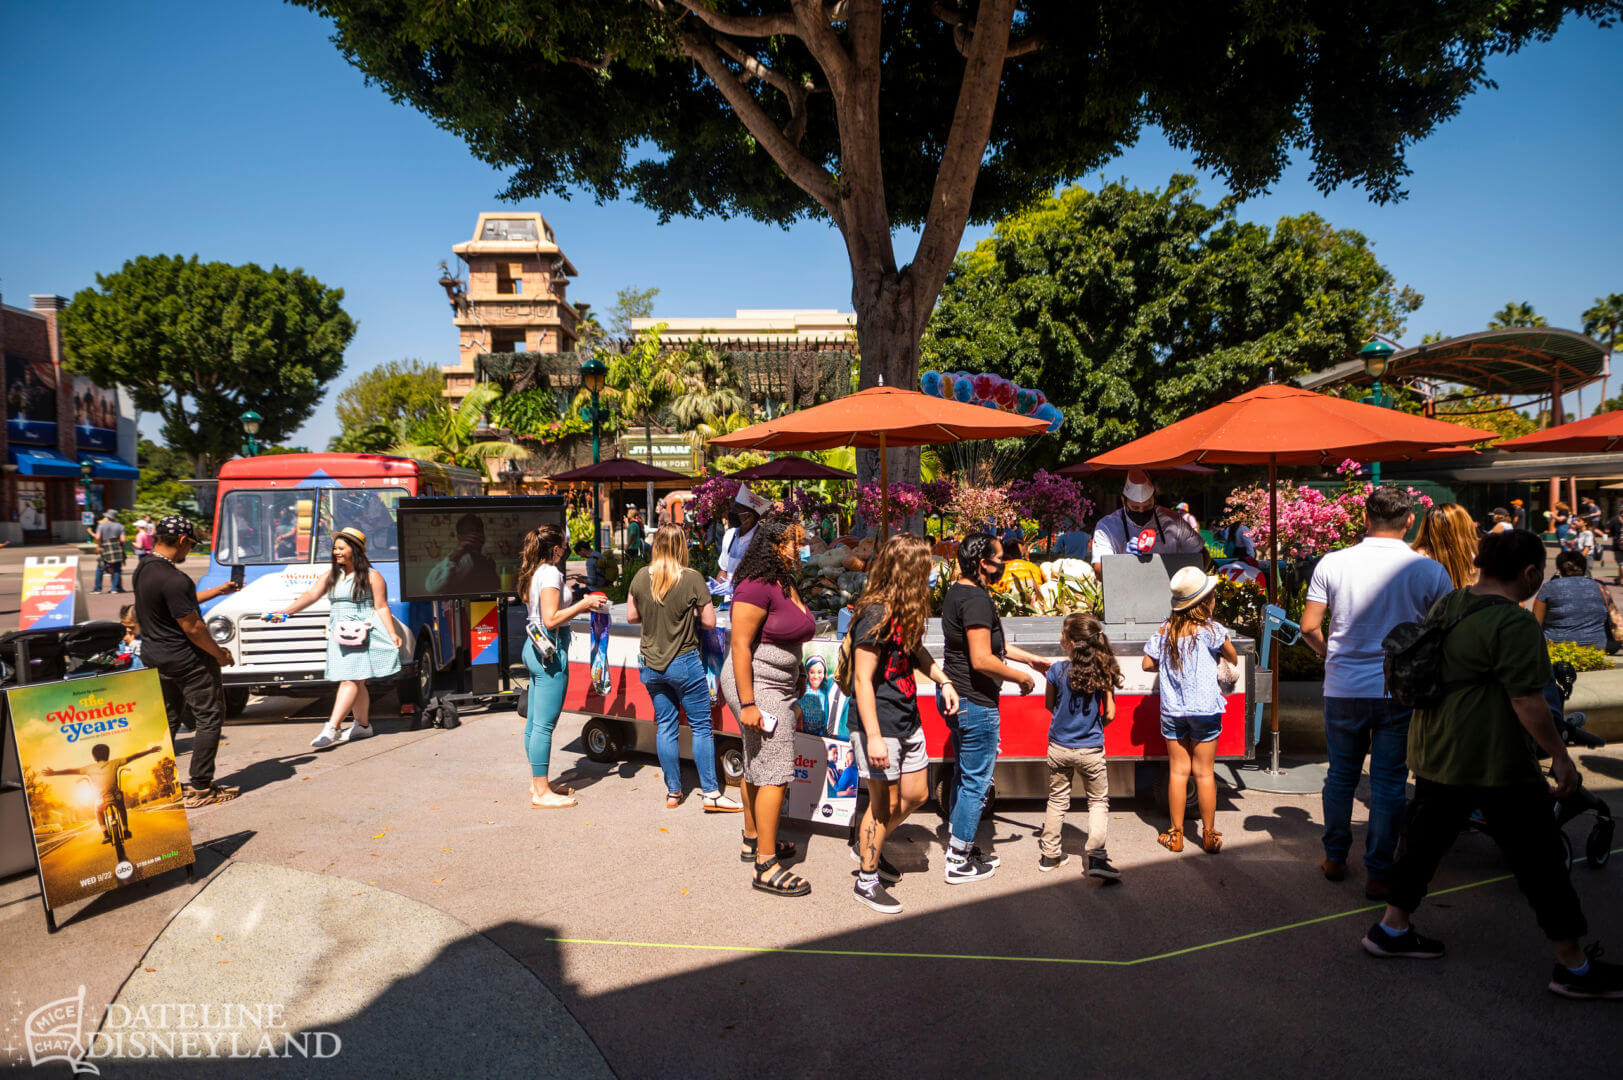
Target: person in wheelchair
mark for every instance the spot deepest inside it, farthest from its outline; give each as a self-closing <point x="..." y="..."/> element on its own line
<point x="102" y="772"/>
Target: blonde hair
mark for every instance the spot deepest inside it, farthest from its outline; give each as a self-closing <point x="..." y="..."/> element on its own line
<point x="1181" y="625"/>
<point x="669" y="560"/>
<point x="1448" y="536"/>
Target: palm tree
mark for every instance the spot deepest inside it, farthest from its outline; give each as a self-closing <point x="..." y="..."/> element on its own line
<point x="709" y="386"/>
<point x="710" y="427"/>
<point x="456" y="442"/>
<point x="1601" y="322"/>
<point x="640" y="381"/>
<point x="1516" y="313"/>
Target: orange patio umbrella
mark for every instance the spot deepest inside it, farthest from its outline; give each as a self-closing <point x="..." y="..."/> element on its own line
<point x="1284" y="425"/>
<point x="880" y="418"/>
<point x="1591" y="435"/>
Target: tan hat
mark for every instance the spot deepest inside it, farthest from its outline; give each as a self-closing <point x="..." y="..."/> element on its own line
<point x="1138" y="487"/>
<point x="1190" y="586"/>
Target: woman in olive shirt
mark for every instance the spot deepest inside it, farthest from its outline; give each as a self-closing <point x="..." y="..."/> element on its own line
<point x="672" y="604"/>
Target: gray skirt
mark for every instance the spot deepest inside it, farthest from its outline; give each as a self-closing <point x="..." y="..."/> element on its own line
<point x="769" y="759"/>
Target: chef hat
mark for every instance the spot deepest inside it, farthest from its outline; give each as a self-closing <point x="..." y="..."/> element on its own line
<point x="750" y="501"/>
<point x="1138" y="487"/>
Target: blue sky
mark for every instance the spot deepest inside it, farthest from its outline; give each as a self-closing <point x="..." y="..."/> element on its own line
<point x="236" y="131"/>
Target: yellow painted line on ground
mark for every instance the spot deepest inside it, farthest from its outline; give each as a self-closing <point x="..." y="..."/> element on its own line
<point x="1075" y="960"/>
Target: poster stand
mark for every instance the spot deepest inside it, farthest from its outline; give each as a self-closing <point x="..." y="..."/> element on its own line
<point x="15" y="753"/>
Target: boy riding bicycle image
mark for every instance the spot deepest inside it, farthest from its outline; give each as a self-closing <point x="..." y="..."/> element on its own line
<point x="102" y="773"/>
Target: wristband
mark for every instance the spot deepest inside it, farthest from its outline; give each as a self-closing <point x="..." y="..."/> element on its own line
<point x="746" y="704"/>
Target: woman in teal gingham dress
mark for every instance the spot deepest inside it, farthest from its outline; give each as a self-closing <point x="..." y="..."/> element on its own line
<point x="356" y="594"/>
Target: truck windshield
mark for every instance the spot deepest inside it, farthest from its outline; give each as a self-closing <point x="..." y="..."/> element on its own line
<point x="260" y="527"/>
<point x="371" y="510"/>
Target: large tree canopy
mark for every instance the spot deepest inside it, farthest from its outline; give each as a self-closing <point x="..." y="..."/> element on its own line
<point x="1134" y="309"/>
<point x="884" y="113"/>
<point x="408" y="390"/>
<point x="199" y="343"/>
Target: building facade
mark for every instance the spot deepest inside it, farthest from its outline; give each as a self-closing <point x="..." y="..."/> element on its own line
<point x="513" y="298"/>
<point x="68" y="445"/>
<point x="777" y="328"/>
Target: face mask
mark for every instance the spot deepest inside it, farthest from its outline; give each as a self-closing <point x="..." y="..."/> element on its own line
<point x="1139" y="517"/>
<point x="805" y="552"/>
<point x="995" y="576"/>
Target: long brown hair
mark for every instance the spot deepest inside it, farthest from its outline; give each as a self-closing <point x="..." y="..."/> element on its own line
<point x="1185" y="624"/>
<point x="1094" y="669"/>
<point x="1448" y="535"/>
<point x="540" y="547"/>
<point x="899" y="583"/>
<point x="670" y="558"/>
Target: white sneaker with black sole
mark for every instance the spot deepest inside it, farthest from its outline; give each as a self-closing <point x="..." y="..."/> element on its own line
<point x="964" y="868"/>
<point x="877" y="897"/>
<point x="357" y="732"/>
<point x="887" y="872"/>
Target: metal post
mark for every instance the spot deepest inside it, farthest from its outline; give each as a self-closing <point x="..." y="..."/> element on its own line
<point x="884" y="490"/>
<point x="597" y="524"/>
<point x="1375" y="477"/>
<point x="1273" y="598"/>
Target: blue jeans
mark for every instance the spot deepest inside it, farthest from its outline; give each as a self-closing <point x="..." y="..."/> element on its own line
<point x="683" y="685"/>
<point x="1354" y="727"/>
<point x="549" y="685"/>
<point x="974" y="730"/>
<point x="115" y="569"/>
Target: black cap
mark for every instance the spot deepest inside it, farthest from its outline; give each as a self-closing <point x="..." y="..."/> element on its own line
<point x="174" y="527"/>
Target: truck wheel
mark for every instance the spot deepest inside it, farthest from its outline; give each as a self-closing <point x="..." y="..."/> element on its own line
<point x="425" y="671"/>
<point x="1162" y="784"/>
<point x="730" y="763"/>
<point x="941" y="791"/>
<point x="236" y="700"/>
<point x="601" y="738"/>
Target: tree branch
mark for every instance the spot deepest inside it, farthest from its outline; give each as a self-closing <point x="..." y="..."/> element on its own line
<point x="810" y="177"/>
<point x="961" y="159"/>
<point x="955" y="15"/>
<point x="795" y="92"/>
<point x="758" y="26"/>
<point x="812" y="28"/>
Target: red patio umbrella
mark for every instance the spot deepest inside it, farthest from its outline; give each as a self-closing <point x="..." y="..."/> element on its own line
<point x="879" y="418"/>
<point x="1083" y="470"/>
<point x="615" y="471"/>
<point x="792" y="468"/>
<point x="1591" y="435"/>
<point x="1285" y="425"/>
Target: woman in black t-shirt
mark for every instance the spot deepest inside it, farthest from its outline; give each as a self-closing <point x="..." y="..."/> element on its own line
<point x="975" y="657"/>
<point x="887" y="738"/>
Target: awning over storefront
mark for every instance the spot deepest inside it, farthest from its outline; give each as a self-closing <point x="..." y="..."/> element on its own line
<point x="38" y="461"/>
<point x="108" y="467"/>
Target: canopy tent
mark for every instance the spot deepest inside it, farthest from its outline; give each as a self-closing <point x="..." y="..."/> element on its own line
<point x="40" y="461"/>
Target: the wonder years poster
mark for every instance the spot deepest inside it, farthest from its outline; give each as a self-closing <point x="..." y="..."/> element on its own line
<point x="824" y="787"/>
<point x="104" y="795"/>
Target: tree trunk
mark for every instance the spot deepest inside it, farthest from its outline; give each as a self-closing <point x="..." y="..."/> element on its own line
<point x="888" y="342"/>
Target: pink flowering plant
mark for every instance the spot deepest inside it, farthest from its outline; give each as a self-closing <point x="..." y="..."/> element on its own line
<point x="978" y="507"/>
<point x="712" y="497"/>
<point x="905" y="501"/>
<point x="1055" y="503"/>
<point x="1311" y="522"/>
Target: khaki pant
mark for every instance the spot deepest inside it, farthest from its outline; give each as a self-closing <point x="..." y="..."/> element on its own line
<point x="1090" y="763"/>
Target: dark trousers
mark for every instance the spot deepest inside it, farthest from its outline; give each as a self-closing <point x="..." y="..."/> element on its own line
<point x="1520" y="819"/>
<point x="194" y="692"/>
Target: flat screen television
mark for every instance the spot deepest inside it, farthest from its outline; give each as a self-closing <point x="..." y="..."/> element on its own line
<point x="457" y="547"/>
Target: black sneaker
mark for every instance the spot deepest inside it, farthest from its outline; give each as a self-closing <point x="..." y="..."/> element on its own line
<point x="1408" y="945"/>
<point x="985" y="858"/>
<point x="965" y="868"/>
<point x="887" y="872"/>
<point x="1602" y="980"/>
<point x="877" y="897"/>
<point x="1052" y="862"/>
<point x="1100" y="866"/>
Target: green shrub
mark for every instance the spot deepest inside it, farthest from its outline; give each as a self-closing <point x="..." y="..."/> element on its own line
<point x="1581" y="657"/>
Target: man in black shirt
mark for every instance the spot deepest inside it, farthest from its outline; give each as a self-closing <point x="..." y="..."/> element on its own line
<point x="176" y="643"/>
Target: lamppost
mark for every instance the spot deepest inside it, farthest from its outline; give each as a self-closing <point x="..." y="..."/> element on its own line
<point x="250" y="428"/>
<point x="1375" y="355"/>
<point x="593" y="374"/>
<point x="86" y="469"/>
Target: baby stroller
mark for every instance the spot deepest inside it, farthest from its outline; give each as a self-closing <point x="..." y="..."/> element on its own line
<point x="1598" y="847"/>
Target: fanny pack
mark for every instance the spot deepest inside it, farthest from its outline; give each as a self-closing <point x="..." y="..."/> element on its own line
<point x="351" y="632"/>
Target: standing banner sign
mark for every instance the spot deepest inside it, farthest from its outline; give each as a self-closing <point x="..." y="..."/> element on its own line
<point x="104" y="795"/>
<point x="51" y="594"/>
<point x="824" y="785"/>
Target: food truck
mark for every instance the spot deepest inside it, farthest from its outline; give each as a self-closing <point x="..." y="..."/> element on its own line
<point x="1136" y="601"/>
<point x="274" y="518"/>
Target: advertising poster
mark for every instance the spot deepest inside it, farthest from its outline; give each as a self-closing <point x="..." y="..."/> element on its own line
<point x="30" y="401"/>
<point x="602" y="680"/>
<point x="31" y="503"/>
<point x="483" y="645"/>
<point x="95" y="416"/>
<point x="824" y="787"/>
<point x="467" y="553"/>
<point x="51" y="592"/>
<point x="103" y="792"/>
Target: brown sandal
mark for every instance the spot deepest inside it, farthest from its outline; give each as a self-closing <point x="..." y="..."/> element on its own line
<point x="1211" y="840"/>
<point x="1172" y="839"/>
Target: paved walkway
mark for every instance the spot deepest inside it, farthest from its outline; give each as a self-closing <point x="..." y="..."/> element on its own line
<point x="362" y="888"/>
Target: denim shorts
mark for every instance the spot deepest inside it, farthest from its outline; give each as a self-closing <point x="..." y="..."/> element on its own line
<point x="1196" y="728"/>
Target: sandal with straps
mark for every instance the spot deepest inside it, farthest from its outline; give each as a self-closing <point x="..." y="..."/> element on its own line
<point x="1211" y="840"/>
<point x="780" y="882"/>
<point x="784" y="850"/>
<point x="1172" y="839"/>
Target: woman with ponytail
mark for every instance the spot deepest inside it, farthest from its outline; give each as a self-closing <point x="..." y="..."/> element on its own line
<point x="1081" y="699"/>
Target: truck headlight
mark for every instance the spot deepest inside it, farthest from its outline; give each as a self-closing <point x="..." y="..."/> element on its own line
<point x="220" y="629"/>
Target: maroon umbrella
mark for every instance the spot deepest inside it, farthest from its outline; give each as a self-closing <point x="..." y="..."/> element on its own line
<point x="616" y="471"/>
<point x="792" y="468"/>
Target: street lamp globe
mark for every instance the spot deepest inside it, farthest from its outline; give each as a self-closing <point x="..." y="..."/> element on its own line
<point x="250" y="422"/>
<point x="593" y="374"/>
<point x="1375" y="355"/>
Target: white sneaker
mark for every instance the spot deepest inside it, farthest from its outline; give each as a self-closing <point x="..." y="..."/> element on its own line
<point x="325" y="737"/>
<point x="357" y="732"/>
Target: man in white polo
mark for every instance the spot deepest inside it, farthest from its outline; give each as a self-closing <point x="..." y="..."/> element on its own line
<point x="1140" y="527"/>
<point x="744" y="516"/>
<point x="1367" y="589"/>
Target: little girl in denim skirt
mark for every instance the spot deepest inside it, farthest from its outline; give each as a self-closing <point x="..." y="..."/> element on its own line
<point x="1185" y="651"/>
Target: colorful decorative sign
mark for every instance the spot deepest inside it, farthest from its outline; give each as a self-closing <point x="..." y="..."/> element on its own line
<point x="104" y="794"/>
<point x="51" y="596"/>
<point x="482" y="632"/>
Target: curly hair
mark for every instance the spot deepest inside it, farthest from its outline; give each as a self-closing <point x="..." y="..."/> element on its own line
<point x="900" y="584"/>
<point x="1094" y="669"/>
<point x="763" y="562"/>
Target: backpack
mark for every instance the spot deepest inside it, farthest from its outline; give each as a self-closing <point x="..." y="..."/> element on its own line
<point x="845" y="665"/>
<point x="1413" y="656"/>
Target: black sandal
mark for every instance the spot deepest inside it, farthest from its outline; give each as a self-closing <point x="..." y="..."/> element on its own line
<point x="781" y="882"/>
<point x="784" y="850"/>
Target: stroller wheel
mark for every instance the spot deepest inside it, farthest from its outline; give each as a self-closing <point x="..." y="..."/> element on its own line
<point x="1598" y="848"/>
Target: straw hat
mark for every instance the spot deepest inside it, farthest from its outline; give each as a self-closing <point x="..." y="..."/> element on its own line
<point x="1190" y="586"/>
<point x="353" y="535"/>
